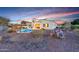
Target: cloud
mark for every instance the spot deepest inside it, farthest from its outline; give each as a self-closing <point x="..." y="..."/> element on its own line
<point x="44" y="15"/>
<point x="56" y="15"/>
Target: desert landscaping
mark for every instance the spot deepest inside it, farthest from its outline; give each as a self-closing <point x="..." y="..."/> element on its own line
<point x="47" y="30"/>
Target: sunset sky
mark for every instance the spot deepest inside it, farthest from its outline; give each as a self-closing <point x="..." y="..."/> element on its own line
<point x="28" y="13"/>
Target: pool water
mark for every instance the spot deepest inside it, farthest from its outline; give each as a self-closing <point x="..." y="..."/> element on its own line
<point x="24" y="31"/>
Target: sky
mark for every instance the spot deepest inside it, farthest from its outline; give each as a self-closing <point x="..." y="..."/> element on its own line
<point x="16" y="14"/>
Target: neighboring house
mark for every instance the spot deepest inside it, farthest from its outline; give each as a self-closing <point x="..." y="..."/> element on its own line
<point x="43" y="24"/>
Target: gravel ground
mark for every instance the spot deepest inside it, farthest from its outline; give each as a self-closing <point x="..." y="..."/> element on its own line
<point x="24" y="46"/>
<point x="25" y="43"/>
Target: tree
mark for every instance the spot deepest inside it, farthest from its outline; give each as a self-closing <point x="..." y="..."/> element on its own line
<point x="75" y="22"/>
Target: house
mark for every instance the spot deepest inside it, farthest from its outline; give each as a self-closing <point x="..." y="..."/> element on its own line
<point x="36" y="24"/>
<point x="43" y="24"/>
<point x="26" y="24"/>
<point x="16" y="27"/>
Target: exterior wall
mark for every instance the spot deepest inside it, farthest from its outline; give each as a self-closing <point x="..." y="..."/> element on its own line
<point x="51" y="25"/>
<point x="34" y="27"/>
<point x="16" y="27"/>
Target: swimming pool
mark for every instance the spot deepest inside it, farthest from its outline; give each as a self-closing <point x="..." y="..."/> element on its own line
<point x="24" y="31"/>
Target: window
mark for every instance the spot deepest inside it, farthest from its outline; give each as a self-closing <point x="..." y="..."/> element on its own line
<point x="37" y="26"/>
<point x="47" y="25"/>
